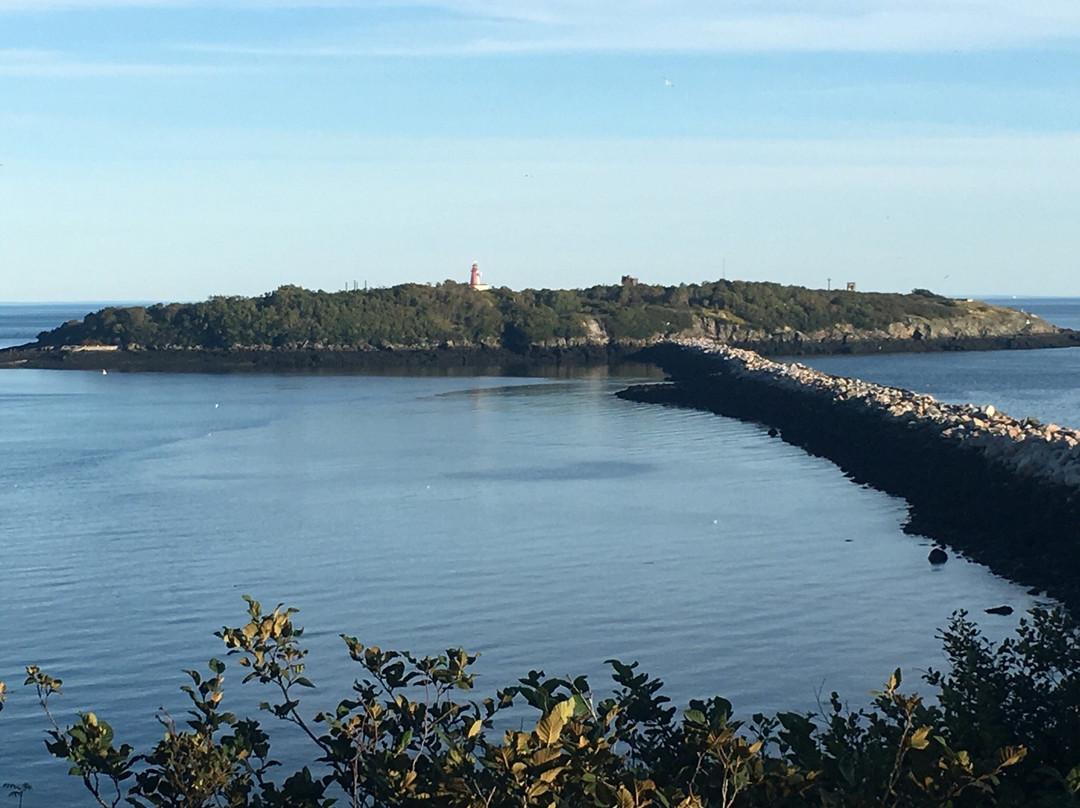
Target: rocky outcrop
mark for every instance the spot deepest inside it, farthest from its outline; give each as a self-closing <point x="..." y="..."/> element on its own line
<point x="975" y="325"/>
<point x="937" y="556"/>
<point x="594" y="350"/>
<point x="1004" y="491"/>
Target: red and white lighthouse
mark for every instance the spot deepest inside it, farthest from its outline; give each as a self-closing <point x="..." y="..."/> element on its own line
<point x="474" y="279"/>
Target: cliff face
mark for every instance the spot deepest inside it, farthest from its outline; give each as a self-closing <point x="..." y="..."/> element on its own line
<point x="973" y="321"/>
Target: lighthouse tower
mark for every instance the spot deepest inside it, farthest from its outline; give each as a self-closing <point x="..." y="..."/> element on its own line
<point x="474" y="279"/>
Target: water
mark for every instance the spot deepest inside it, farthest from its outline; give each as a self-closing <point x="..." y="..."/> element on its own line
<point x="1042" y="383"/>
<point x="1061" y="311"/>
<point x="543" y="523"/>
<point x="20" y="323"/>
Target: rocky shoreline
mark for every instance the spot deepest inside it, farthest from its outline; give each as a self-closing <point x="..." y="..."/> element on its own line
<point x="449" y="360"/>
<point x="796" y="345"/>
<point x="1003" y="491"/>
<point x="478" y="359"/>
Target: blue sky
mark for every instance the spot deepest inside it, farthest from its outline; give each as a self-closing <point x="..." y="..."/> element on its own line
<point x="177" y="150"/>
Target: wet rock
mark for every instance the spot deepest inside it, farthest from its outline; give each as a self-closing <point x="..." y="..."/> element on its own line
<point x="937" y="556"/>
<point x="1002" y="610"/>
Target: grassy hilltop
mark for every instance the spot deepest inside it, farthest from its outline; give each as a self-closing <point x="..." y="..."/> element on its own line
<point x="421" y="316"/>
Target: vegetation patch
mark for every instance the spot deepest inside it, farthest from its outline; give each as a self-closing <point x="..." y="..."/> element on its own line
<point x="420" y="316"/>
<point x="1004" y="730"/>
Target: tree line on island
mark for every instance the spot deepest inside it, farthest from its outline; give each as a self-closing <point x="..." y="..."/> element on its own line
<point x="425" y="316"/>
<point x="1004" y="729"/>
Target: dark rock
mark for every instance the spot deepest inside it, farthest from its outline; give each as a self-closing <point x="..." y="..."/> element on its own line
<point x="470" y="361"/>
<point x="773" y="432"/>
<point x="1000" y="610"/>
<point x="937" y="556"/>
<point x="1063" y="338"/>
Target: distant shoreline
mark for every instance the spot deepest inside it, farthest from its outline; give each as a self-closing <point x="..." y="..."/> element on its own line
<point x="479" y="360"/>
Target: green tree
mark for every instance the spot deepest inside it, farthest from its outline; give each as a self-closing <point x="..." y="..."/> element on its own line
<point x="421" y="316"/>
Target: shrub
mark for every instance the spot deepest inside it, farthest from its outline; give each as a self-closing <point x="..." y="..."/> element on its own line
<point x="407" y="735"/>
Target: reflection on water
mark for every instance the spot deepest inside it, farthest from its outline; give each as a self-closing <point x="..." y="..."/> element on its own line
<point x="585" y="470"/>
<point x="544" y="523"/>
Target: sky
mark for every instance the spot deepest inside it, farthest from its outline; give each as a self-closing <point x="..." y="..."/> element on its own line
<point x="174" y="149"/>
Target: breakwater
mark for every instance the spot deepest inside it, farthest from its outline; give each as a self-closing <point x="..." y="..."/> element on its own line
<point x="1004" y="491"/>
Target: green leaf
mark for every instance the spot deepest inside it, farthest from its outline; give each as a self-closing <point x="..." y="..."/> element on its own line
<point x="920" y="738"/>
<point x="1072" y="780"/>
<point x="581" y="705"/>
<point x="566" y="708"/>
<point x="1011" y="755"/>
<point x="695" y="716"/>
<point x="550" y="726"/>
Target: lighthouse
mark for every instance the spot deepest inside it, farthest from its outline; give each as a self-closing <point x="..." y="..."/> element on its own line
<point x="474" y="279"/>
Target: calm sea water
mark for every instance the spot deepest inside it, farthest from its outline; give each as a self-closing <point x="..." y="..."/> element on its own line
<point x="1043" y="383"/>
<point x="543" y="523"/>
<point x="21" y="323"/>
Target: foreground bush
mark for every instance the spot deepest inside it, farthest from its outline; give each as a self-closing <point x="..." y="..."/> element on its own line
<point x="406" y="736"/>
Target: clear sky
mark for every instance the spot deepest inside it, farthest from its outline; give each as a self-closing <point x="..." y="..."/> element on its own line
<point x="174" y="150"/>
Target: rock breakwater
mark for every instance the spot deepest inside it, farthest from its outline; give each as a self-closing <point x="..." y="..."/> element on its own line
<point x="1004" y="491"/>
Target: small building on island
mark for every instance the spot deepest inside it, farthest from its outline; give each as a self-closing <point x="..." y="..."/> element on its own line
<point x="474" y="279"/>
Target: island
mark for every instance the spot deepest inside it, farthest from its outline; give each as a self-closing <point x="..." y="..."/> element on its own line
<point x="479" y="328"/>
